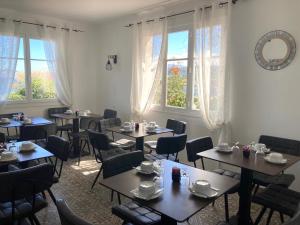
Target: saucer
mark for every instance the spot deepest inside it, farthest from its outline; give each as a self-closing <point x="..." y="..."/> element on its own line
<point x="126" y="131"/>
<point x="4" y="123"/>
<point x="139" y="170"/>
<point x="228" y="150"/>
<point x="156" y="194"/>
<point x="282" y="162"/>
<point x="209" y="194"/>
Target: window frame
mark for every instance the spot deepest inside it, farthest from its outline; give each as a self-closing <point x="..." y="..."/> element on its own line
<point x="188" y="110"/>
<point x="27" y="71"/>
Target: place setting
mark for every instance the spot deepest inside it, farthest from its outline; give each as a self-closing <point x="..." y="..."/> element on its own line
<point x="6" y="155"/>
<point x="27" y="146"/>
<point x="275" y="158"/>
<point x="27" y="121"/>
<point x="147" y="190"/>
<point x="151" y="127"/>
<point x="224" y="148"/>
<point x="68" y="112"/>
<point x="127" y="127"/>
<point x="203" y="189"/>
<point x="148" y="168"/>
<point x="4" y="121"/>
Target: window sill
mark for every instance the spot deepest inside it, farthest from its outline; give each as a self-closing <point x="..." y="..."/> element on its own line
<point x="177" y="111"/>
<point x="34" y="103"/>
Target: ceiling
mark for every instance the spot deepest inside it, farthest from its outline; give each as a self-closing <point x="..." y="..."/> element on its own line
<point x="81" y="10"/>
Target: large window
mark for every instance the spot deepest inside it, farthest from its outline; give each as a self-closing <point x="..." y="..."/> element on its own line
<point x="33" y="80"/>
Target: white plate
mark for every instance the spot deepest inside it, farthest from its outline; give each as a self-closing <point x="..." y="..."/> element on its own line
<point x="12" y="158"/>
<point x="70" y="113"/>
<point x="126" y="131"/>
<point x="156" y="194"/>
<point x="210" y="193"/>
<point x="217" y="148"/>
<point x="138" y="169"/>
<point x="267" y="158"/>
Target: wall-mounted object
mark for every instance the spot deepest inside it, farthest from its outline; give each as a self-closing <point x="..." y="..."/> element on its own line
<point x="275" y="50"/>
<point x="114" y="59"/>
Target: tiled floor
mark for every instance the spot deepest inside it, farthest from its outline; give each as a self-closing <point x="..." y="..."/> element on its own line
<point x="95" y="206"/>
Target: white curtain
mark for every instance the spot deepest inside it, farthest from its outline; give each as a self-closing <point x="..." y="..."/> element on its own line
<point x="211" y="30"/>
<point x="9" y="49"/>
<point x="149" y="49"/>
<point x="55" y="45"/>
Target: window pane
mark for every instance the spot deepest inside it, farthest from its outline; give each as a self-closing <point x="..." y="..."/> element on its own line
<point x="176" y="83"/>
<point x="178" y="43"/>
<point x="37" y="49"/>
<point x="18" y="91"/>
<point x="42" y="83"/>
<point x="21" y="49"/>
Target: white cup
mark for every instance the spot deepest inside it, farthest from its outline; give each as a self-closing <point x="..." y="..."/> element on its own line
<point x="27" y="145"/>
<point x="147" y="188"/>
<point x="126" y="124"/>
<point x="147" y="166"/>
<point x="152" y="124"/>
<point x="69" y="111"/>
<point x="5" y="120"/>
<point x="276" y="157"/>
<point x="201" y="186"/>
<point x="6" y="155"/>
<point x="223" y="146"/>
<point x="27" y="121"/>
<point x="260" y="146"/>
<point x="127" y="128"/>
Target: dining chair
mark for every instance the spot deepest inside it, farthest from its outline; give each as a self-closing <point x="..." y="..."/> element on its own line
<point x="168" y="147"/>
<point x="121" y="163"/>
<point x="102" y="149"/>
<point x="123" y="143"/>
<point x="280" y="199"/>
<point x="280" y="145"/>
<point x="67" y="217"/>
<point x="63" y="127"/>
<point x="60" y="148"/>
<point x="109" y="113"/>
<point x="202" y="144"/>
<point x="178" y="127"/>
<point x="20" y="193"/>
<point x="2" y="137"/>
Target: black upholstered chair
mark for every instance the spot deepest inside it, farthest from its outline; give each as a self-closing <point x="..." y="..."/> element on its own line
<point x="33" y="133"/>
<point x="280" y="199"/>
<point x="109" y="113"/>
<point x="178" y="127"/>
<point x="202" y="144"/>
<point x="67" y="217"/>
<point x="281" y="145"/>
<point x="60" y="148"/>
<point x="20" y="193"/>
<point x="102" y="149"/>
<point x="123" y="143"/>
<point x="2" y="137"/>
<point x="167" y="147"/>
<point x="121" y="163"/>
<point x="62" y="127"/>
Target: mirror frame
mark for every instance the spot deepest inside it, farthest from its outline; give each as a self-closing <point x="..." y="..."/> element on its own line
<point x="275" y="64"/>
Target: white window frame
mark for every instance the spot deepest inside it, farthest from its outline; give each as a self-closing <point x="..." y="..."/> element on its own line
<point x="27" y="71"/>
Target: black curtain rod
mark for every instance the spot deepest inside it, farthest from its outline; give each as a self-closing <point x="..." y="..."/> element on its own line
<point x="181" y="13"/>
<point x="41" y="25"/>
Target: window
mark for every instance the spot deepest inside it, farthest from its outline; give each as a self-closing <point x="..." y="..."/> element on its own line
<point x="32" y="81"/>
<point x="178" y="90"/>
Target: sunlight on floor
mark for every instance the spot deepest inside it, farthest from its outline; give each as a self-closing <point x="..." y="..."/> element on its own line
<point x="86" y="167"/>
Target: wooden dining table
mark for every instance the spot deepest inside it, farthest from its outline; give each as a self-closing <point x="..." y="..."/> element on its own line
<point x="176" y="204"/>
<point x="75" y="127"/>
<point x="139" y="134"/>
<point x="248" y="166"/>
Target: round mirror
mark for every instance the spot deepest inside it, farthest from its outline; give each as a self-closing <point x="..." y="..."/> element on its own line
<point x="275" y="50"/>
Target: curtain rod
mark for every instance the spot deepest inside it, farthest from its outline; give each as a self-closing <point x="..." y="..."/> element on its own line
<point x="41" y="25"/>
<point x="181" y="13"/>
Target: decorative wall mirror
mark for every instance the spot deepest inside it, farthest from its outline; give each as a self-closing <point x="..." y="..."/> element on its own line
<point x="275" y="50"/>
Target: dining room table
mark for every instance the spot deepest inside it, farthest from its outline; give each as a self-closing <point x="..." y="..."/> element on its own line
<point x="75" y="127"/>
<point x="254" y="163"/>
<point x="139" y="133"/>
<point x="24" y="157"/>
<point x="176" y="203"/>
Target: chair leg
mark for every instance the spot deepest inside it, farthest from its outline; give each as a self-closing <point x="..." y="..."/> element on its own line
<point x="52" y="196"/>
<point x="202" y="161"/>
<point x="119" y="198"/>
<point x="195" y="165"/>
<point x="112" y="195"/>
<point x="226" y="207"/>
<point x="281" y="217"/>
<point x="35" y="219"/>
<point x="262" y="212"/>
<point x="97" y="177"/>
<point x="270" y="216"/>
<point x="255" y="190"/>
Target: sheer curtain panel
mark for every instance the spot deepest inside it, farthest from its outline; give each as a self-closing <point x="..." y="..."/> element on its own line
<point x="149" y="49"/>
<point x="211" y="77"/>
<point x="9" y="49"/>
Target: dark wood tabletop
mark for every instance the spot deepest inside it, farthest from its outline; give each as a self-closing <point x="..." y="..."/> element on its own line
<point x="141" y="132"/>
<point x="23" y="157"/>
<point x="254" y="162"/>
<point x="176" y="201"/>
<point x="35" y="121"/>
<point x="73" y="116"/>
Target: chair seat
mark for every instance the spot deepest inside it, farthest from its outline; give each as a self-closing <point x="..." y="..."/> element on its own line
<point x="231" y="174"/>
<point x="279" y="199"/>
<point x="154" y="157"/>
<point x="123" y="143"/>
<point x="151" y="144"/>
<point x="135" y="214"/>
<point x="264" y="180"/>
<point x="112" y="152"/>
<point x="23" y="208"/>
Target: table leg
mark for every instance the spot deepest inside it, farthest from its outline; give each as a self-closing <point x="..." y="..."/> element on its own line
<point x="165" y="220"/>
<point x="245" y="197"/>
<point x="76" y="144"/>
<point x="140" y="144"/>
